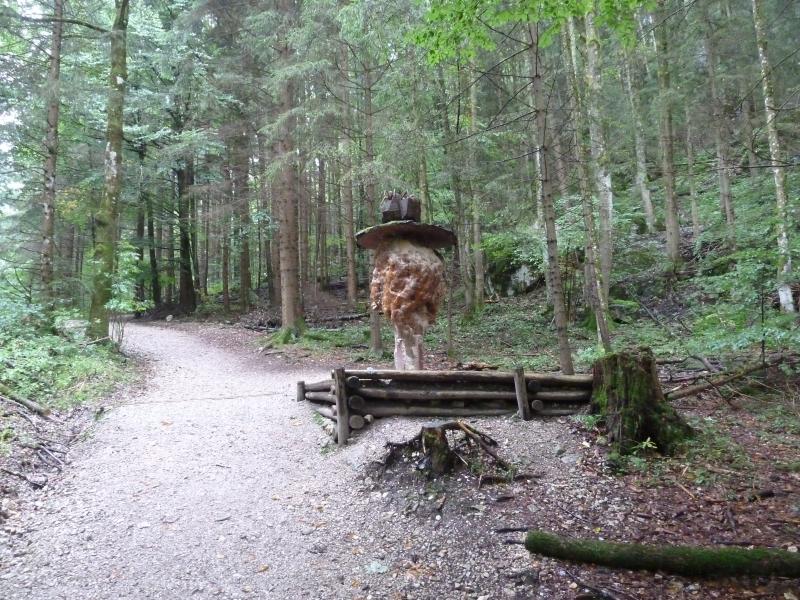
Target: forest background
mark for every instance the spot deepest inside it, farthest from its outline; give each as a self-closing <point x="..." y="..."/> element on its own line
<point x="633" y="164"/>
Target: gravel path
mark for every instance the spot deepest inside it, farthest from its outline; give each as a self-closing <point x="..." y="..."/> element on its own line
<point x="211" y="482"/>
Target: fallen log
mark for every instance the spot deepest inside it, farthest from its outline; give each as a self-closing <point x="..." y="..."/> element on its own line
<point x="581" y="380"/>
<point x="689" y="561"/>
<point x="325" y="397"/>
<point x="720" y="379"/>
<point x="32" y="406"/>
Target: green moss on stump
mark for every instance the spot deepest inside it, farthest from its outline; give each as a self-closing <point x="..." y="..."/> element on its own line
<point x="628" y="395"/>
<point x="679" y="560"/>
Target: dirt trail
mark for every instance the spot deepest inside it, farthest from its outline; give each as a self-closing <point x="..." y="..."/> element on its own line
<point x="212" y="483"/>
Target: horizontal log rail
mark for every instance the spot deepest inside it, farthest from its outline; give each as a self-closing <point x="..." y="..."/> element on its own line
<point x="544" y="379"/>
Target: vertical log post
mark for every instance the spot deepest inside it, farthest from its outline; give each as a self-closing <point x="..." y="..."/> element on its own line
<point x="522" y="394"/>
<point x="342" y="409"/>
<point x="301" y="391"/>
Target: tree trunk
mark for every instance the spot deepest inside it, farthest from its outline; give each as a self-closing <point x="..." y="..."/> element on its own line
<point x="782" y="224"/>
<point x="241" y="191"/>
<point x="226" y="237"/>
<point x="717" y="98"/>
<point x="627" y="393"/>
<point x="696" y="227"/>
<point x="106" y="217"/>
<point x="640" y="143"/>
<point x="346" y="182"/>
<point x="291" y="315"/>
<point x="155" y="281"/>
<point x="375" y="342"/>
<point x="477" y="209"/>
<point x="548" y="210"/>
<point x="672" y="220"/>
<point x="451" y="162"/>
<point x="51" y="154"/>
<point x="689" y="561"/>
<point x="140" y="242"/>
<point x="593" y="287"/>
<point x="187" y="302"/>
<point x="599" y="153"/>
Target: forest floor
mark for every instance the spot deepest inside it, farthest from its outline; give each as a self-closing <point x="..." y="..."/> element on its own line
<point x="208" y="481"/>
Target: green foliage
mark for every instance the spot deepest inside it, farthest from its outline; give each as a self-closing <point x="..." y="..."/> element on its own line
<point x="58" y="370"/>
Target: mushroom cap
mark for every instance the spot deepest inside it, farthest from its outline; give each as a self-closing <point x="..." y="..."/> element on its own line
<point x="432" y="236"/>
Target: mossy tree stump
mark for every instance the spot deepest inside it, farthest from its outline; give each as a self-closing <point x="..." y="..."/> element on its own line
<point x="437" y="449"/>
<point x="627" y="393"/>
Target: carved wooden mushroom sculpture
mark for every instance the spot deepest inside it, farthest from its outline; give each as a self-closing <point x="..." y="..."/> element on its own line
<point x="408" y="278"/>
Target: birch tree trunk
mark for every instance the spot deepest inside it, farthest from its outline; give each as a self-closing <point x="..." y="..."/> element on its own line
<point x="51" y="153"/>
<point x="107" y="213"/>
<point x="782" y="224"/>
<point x="548" y="210"/>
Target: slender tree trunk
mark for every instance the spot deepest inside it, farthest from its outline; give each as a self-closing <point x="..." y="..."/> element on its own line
<point x="140" y="241"/>
<point x="548" y="210"/>
<point x="321" y="239"/>
<point x="672" y="220"/>
<point x="346" y="186"/>
<point x="226" y="236"/>
<point x="375" y="342"/>
<point x="562" y="171"/>
<point x="696" y="227"/>
<point x="241" y="191"/>
<point x="594" y="290"/>
<point x="194" y="238"/>
<point x="452" y="159"/>
<point x="206" y="243"/>
<point x="155" y="282"/>
<point x="782" y="221"/>
<point x="720" y="136"/>
<point x="748" y="134"/>
<point x="106" y="217"/>
<point x="476" y="202"/>
<point x="599" y="154"/>
<point x="187" y="302"/>
<point x="640" y="143"/>
<point x="51" y="153"/>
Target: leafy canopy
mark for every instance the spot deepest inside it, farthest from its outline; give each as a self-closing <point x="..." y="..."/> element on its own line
<point x="461" y="27"/>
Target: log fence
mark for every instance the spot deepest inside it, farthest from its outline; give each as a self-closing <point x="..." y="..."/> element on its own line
<point x="351" y="398"/>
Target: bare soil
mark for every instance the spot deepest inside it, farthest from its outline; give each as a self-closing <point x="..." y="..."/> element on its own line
<point x="210" y="481"/>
